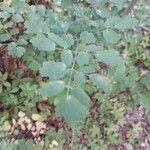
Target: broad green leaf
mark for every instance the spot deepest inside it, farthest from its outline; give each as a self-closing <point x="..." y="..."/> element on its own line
<point x="19" y="5"/>
<point x="43" y="43"/>
<point x="53" y="69"/>
<point x="58" y="40"/>
<point x="57" y="28"/>
<point x="71" y="109"/>
<point x="69" y="39"/>
<point x="87" y="37"/>
<point x="110" y="57"/>
<point x="126" y="22"/>
<point x="111" y="36"/>
<point x="35" y="24"/>
<point x="17" y="18"/>
<point x="75" y="27"/>
<point x="67" y="57"/>
<point x="41" y="10"/>
<point x="22" y="41"/>
<point x="101" y="82"/>
<point x="16" y="50"/>
<point x="81" y="96"/>
<point x="52" y="88"/>
<point x="79" y="78"/>
<point x="111" y="22"/>
<point x="5" y="37"/>
<point x="120" y="72"/>
<point x="83" y="58"/>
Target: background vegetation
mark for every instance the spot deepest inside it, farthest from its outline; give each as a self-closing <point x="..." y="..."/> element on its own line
<point x="74" y="75"/>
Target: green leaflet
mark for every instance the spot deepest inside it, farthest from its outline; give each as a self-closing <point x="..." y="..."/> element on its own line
<point x="80" y="94"/>
<point x="41" y="10"/>
<point x="16" y="50"/>
<point x="61" y="41"/>
<point x="69" y="39"/>
<point x="110" y="57"/>
<point x="111" y="36"/>
<point x="87" y="37"/>
<point x="67" y="57"/>
<point x="43" y="43"/>
<point x="71" y="109"/>
<point x="101" y="82"/>
<point x="19" y="6"/>
<point x="79" y="78"/>
<point x="110" y="22"/>
<point x="126" y="22"/>
<point x="83" y="58"/>
<point x="5" y="37"/>
<point x="53" y="69"/>
<point x="52" y="88"/>
<point x="36" y="24"/>
<point x="17" y="18"/>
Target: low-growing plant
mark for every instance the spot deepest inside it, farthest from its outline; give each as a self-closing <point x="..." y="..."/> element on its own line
<point x="69" y="52"/>
<point x="84" y="53"/>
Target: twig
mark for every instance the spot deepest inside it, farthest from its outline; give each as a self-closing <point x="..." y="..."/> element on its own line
<point x="130" y="7"/>
<point x="72" y="69"/>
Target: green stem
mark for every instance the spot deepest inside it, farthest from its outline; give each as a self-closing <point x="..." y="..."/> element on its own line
<point x="72" y="69"/>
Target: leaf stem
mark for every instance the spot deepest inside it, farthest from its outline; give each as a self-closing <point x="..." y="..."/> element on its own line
<point x="72" y="69"/>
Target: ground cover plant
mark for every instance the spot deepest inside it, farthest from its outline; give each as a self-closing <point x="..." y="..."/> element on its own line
<point x="75" y="75"/>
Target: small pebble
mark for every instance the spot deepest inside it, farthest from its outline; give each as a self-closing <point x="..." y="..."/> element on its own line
<point x="54" y="142"/>
<point x="23" y="127"/>
<point x="21" y="114"/>
<point x="33" y="128"/>
<point x="27" y="120"/>
<point x="20" y="121"/>
<point x="42" y="132"/>
<point x="29" y="126"/>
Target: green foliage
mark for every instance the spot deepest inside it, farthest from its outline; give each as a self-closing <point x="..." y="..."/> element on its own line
<point x="3" y="81"/>
<point x="71" y="108"/>
<point x="69" y="52"/>
<point x="19" y="91"/>
<point x="22" y="145"/>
